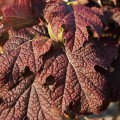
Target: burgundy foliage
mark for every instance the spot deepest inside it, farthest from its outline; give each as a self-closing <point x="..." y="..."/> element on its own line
<point x="46" y="78"/>
<point x="75" y="23"/>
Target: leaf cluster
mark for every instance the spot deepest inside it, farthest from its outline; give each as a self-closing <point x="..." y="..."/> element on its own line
<point x="58" y="60"/>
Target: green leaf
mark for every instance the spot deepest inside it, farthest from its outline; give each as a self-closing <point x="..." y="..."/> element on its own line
<point x="60" y="34"/>
<point x="52" y="36"/>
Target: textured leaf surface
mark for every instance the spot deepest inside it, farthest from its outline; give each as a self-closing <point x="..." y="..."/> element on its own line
<point x="75" y="21"/>
<point x="65" y="80"/>
<point x="38" y="30"/>
<point x="77" y="80"/>
<point x="42" y="78"/>
<point x="83" y="19"/>
<point x="28" y="100"/>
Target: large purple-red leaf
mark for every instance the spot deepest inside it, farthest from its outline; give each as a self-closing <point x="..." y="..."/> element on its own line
<point x="75" y="21"/>
<point x="65" y="80"/>
<point x="41" y="80"/>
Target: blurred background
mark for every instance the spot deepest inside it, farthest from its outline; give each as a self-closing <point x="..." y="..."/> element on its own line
<point x="112" y="113"/>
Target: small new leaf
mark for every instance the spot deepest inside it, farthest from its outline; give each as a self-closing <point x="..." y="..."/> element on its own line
<point x="51" y="33"/>
<point x="60" y="34"/>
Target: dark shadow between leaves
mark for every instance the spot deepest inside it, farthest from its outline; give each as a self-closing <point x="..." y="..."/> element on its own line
<point x="69" y="111"/>
<point x="93" y="3"/>
<point x="3" y="38"/>
<point x="1" y="100"/>
<point x="106" y="87"/>
<point x="101" y="70"/>
<point x="25" y="118"/>
<point x="91" y="37"/>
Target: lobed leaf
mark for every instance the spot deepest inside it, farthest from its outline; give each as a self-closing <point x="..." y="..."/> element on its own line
<point x="43" y="79"/>
<point x="63" y="80"/>
<point x="75" y="20"/>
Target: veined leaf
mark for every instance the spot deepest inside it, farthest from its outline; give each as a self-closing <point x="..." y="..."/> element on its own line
<point x="44" y="79"/>
<point x="76" y="19"/>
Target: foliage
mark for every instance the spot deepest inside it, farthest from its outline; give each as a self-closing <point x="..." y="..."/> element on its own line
<point x="58" y="60"/>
